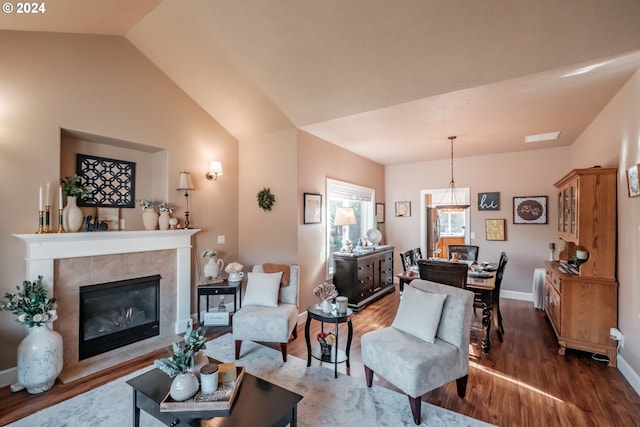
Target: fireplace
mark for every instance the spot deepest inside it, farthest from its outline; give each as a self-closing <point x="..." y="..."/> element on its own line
<point x="116" y="314"/>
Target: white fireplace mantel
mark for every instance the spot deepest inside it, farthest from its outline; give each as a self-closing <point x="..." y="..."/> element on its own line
<point x="43" y="249"/>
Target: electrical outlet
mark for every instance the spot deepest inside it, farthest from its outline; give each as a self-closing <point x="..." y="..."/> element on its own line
<point x="617" y="335"/>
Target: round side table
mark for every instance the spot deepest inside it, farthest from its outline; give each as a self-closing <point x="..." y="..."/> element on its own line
<point x="314" y="313"/>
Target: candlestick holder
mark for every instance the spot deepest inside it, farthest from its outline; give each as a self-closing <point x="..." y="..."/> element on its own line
<point x="60" y="226"/>
<point x="47" y="220"/>
<point x="40" y="222"/>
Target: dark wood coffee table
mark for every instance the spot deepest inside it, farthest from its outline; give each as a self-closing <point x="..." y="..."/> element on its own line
<point x="258" y="403"/>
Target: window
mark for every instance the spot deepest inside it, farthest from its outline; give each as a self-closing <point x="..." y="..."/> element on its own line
<point x="452" y="224"/>
<point x="344" y="194"/>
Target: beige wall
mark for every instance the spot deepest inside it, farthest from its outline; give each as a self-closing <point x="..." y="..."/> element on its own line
<point x="102" y="86"/>
<point x="530" y="173"/>
<point x="613" y="139"/>
<point x="317" y="161"/>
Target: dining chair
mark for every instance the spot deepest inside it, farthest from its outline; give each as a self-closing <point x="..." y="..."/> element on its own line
<point x="407" y="260"/>
<point x="492" y="301"/>
<point x="445" y="272"/>
<point x="465" y="252"/>
<point x="417" y="254"/>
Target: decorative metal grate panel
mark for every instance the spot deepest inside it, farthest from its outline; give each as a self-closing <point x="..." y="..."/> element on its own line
<point x="113" y="181"/>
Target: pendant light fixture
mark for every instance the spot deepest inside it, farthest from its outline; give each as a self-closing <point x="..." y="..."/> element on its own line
<point x="453" y="205"/>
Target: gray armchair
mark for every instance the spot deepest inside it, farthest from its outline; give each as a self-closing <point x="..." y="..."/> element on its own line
<point x="413" y="364"/>
<point x="269" y="323"/>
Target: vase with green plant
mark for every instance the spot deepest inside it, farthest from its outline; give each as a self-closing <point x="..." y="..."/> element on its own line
<point x="73" y="189"/>
<point x="181" y="363"/>
<point x="165" y="214"/>
<point x="40" y="355"/>
<point x="149" y="213"/>
<point x="213" y="266"/>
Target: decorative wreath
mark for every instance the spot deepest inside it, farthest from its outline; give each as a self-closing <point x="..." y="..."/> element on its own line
<point x="266" y="199"/>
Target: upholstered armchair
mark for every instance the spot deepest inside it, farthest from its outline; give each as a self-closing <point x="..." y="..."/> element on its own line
<point x="426" y="346"/>
<point x="269" y="310"/>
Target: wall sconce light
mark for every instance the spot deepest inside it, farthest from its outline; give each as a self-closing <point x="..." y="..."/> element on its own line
<point x="215" y="170"/>
<point x="186" y="185"/>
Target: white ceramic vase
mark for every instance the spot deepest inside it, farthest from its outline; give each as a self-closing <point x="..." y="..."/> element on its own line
<point x="40" y="359"/>
<point x="213" y="267"/>
<point x="327" y="307"/>
<point x="163" y="220"/>
<point x="150" y="219"/>
<point x="184" y="386"/>
<point x="72" y="215"/>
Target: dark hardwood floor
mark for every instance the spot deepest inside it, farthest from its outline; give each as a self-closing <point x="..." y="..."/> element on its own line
<point x="523" y="382"/>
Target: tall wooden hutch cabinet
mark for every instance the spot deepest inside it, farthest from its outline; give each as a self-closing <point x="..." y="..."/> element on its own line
<point x="581" y="302"/>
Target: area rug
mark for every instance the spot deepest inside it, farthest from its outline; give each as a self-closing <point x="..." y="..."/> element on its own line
<point x="327" y="401"/>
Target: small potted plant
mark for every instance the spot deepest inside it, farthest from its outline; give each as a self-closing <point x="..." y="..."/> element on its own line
<point x="235" y="271"/>
<point x="149" y="213"/>
<point x="165" y="212"/>
<point x="181" y="363"/>
<point x="72" y="188"/>
<point x="326" y="341"/>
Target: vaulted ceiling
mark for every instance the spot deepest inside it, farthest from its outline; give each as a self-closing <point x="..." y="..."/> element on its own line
<point x="389" y="80"/>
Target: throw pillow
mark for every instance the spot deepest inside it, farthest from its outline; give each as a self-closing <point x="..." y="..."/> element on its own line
<point x="419" y="313"/>
<point x="262" y="289"/>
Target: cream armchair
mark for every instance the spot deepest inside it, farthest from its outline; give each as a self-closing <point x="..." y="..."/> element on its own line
<point x="402" y="353"/>
<point x="271" y="322"/>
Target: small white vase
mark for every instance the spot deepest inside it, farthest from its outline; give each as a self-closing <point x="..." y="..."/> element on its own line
<point x="327" y="307"/>
<point x="236" y="277"/>
<point x="163" y="220"/>
<point x="184" y="386"/>
<point x="150" y="219"/>
<point x="213" y="267"/>
<point x="40" y="359"/>
<point x="72" y="215"/>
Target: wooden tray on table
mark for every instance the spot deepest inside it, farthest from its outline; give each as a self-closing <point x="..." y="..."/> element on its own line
<point x="221" y="399"/>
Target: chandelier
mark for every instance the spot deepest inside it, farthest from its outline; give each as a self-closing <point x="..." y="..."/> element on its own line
<point x="453" y="204"/>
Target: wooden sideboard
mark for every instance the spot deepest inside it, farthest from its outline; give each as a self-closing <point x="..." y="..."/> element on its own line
<point x="581" y="302"/>
<point x="364" y="276"/>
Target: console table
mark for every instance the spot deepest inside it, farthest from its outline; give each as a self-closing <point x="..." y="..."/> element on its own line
<point x="363" y="276"/>
<point x="222" y="288"/>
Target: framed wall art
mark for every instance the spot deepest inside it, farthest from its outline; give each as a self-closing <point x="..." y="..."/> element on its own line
<point x="632" y="181"/>
<point x="530" y="210"/>
<point x="312" y="208"/>
<point x="489" y="201"/>
<point x="494" y="229"/>
<point x="380" y="212"/>
<point x="113" y="181"/>
<point x="403" y="208"/>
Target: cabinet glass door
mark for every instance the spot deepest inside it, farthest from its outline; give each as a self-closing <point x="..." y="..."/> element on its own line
<point x="565" y="204"/>
<point x="573" y="209"/>
<point x="560" y="210"/>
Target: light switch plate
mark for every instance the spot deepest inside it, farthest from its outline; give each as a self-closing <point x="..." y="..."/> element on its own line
<point x="221" y="239"/>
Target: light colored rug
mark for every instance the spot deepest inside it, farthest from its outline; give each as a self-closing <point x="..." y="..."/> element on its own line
<point x="327" y="401"/>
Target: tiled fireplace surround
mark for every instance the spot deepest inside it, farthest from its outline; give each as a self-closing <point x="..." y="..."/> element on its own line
<point x="71" y="260"/>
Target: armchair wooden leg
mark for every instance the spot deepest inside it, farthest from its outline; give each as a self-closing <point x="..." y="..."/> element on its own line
<point x="368" y="375"/>
<point x="416" y="408"/>
<point x="461" y="384"/>
<point x="283" y="349"/>
<point x="238" y="345"/>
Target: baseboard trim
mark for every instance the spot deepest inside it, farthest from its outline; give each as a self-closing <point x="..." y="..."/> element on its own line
<point x="8" y="376"/>
<point x="627" y="371"/>
<point x="522" y="296"/>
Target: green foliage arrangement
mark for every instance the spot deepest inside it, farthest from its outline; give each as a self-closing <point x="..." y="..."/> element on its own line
<point x="31" y="304"/>
<point x="72" y="186"/>
<point x="266" y="199"/>
<point x="182" y="354"/>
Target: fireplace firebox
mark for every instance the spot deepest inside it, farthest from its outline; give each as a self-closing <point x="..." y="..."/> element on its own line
<point x="116" y="314"/>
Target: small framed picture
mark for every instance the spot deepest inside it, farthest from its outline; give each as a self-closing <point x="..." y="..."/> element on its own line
<point x="494" y="229"/>
<point x="380" y="212"/>
<point x="632" y="181"/>
<point x="403" y="208"/>
<point x="530" y="210"/>
<point x="489" y="201"/>
<point x="312" y="208"/>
